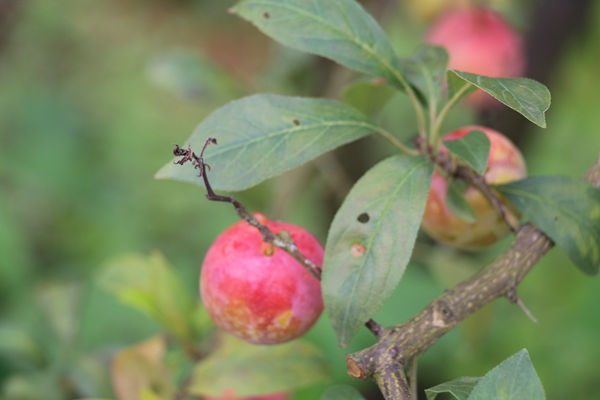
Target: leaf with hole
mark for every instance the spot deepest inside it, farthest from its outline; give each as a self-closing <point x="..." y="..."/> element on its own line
<point x="514" y="378"/>
<point x="456" y="201"/>
<point x="526" y="96"/>
<point x="474" y="148"/>
<point x="459" y="388"/>
<point x="340" y="30"/>
<point x="425" y="70"/>
<point x="565" y="209"/>
<point x="365" y="258"/>
<point x="264" y="135"/>
<point x="252" y="370"/>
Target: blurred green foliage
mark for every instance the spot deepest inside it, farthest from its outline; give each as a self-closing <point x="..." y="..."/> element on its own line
<point x="91" y="102"/>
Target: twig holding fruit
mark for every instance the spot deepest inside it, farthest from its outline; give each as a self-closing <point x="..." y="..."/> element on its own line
<point x="281" y="239"/>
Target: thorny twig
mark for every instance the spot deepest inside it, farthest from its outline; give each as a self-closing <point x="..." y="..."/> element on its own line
<point x="282" y="239"/>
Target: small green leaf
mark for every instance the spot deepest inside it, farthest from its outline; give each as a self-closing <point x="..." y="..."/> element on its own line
<point x="264" y="135"/>
<point x="188" y="75"/>
<point x="458" y="388"/>
<point x="342" y="392"/>
<point x="565" y="209"/>
<point x="149" y="284"/>
<point x="251" y="370"/>
<point x="526" y="96"/>
<point x="457" y="204"/>
<point x="340" y="30"/>
<point x="368" y="97"/>
<point x="426" y="71"/>
<point x="456" y="84"/>
<point x="514" y="379"/>
<point x="61" y="304"/>
<point x="474" y="148"/>
<point x="371" y="239"/>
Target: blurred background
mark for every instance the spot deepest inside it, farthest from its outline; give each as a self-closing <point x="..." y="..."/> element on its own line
<point x="93" y="95"/>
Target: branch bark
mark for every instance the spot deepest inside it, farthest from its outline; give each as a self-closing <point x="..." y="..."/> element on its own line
<point x="385" y="361"/>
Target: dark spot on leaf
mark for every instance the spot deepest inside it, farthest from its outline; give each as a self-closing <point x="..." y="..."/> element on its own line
<point x="296" y="121"/>
<point x="266" y="15"/>
<point x="363" y="218"/>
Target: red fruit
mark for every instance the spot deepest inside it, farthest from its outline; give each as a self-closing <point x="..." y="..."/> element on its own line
<point x="258" y="292"/>
<point x="479" y="41"/>
<point x="505" y="164"/>
<point x="230" y="395"/>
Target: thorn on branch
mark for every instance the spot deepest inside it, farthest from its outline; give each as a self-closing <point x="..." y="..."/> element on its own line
<point x="513" y="298"/>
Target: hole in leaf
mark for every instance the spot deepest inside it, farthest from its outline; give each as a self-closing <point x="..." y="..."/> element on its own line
<point x="296" y="121"/>
<point x="363" y="218"/>
<point x="266" y="15"/>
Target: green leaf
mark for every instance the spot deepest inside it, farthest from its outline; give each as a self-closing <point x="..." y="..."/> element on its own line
<point x="340" y="30"/>
<point x="61" y="304"/>
<point x="459" y="388"/>
<point x="264" y="135"/>
<point x="474" y="148"/>
<point x="526" y="96"/>
<point x="371" y="239"/>
<point x="456" y="84"/>
<point x="191" y="76"/>
<point x="342" y="392"/>
<point x="457" y="204"/>
<point x="149" y="284"/>
<point x="368" y="97"/>
<point x="426" y="71"/>
<point x="565" y="209"/>
<point x="251" y="370"/>
<point x="514" y="379"/>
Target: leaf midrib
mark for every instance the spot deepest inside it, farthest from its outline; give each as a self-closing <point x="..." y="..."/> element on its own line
<point x="240" y="144"/>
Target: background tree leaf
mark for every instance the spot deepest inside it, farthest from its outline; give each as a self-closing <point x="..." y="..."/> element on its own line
<point x="264" y="135"/>
<point x="342" y="392"/>
<point x="191" y="76"/>
<point x="459" y="388"/>
<point x="148" y="284"/>
<point x="340" y="30"/>
<point x="526" y="96"/>
<point x="139" y="369"/>
<point x="474" y="148"/>
<point x="371" y="239"/>
<point x="426" y="70"/>
<point x="457" y="204"/>
<point x="251" y="370"/>
<point x="515" y="378"/>
<point x="368" y="97"/>
<point x="565" y="209"/>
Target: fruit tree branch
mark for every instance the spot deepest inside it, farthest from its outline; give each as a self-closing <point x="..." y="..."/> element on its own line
<point x="400" y="343"/>
<point x="282" y="239"/>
